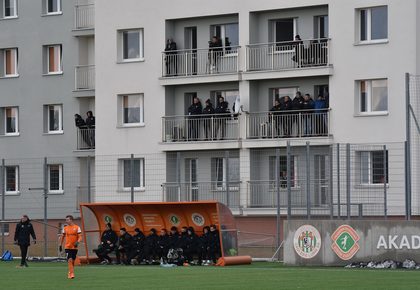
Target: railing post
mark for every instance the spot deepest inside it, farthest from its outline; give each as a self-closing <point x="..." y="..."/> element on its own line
<point x="3" y="203"/>
<point x="408" y="147"/>
<point x="132" y="177"/>
<point x="338" y="182"/>
<point x="289" y="183"/>
<point x="385" y="182"/>
<point x="308" y="182"/>
<point x="272" y="56"/>
<point x="278" y="228"/>
<point x="227" y="178"/>
<point x="331" y="183"/>
<point x="300" y="129"/>
<point x="178" y="173"/>
<point x="45" y="167"/>
<point x="348" y="181"/>
<point x="89" y="180"/>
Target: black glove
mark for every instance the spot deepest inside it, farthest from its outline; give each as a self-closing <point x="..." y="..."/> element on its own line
<point x="60" y="248"/>
<point x="34" y="242"/>
<point x="76" y="244"/>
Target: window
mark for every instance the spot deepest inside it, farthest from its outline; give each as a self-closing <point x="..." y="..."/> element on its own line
<point x="372" y="167"/>
<point x="133" y="177"/>
<point x="373" y="24"/>
<point x="11" y="121"/>
<point x="53" y="59"/>
<point x="54" y="119"/>
<point x="282" y="170"/>
<point x="280" y="93"/>
<point x="5" y="230"/>
<point x="53" y="6"/>
<point x="132" y="111"/>
<point x="10" y="61"/>
<point x="283" y="30"/>
<point x="219" y="171"/>
<point x="373" y="96"/>
<point x="131" y="45"/>
<point x="9" y="8"/>
<point x="227" y="33"/>
<point x="55" y="178"/>
<point x="12" y="179"/>
<point x="321" y="27"/>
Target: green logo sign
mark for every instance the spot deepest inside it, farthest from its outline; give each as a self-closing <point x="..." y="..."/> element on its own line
<point x="107" y="219"/>
<point x="345" y="240"/>
<point x="174" y="219"/>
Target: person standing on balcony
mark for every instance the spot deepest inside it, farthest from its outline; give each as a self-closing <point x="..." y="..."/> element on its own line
<point x="307" y="110"/>
<point x="24" y="231"/>
<point x="286" y="106"/>
<point x="208" y="117"/>
<point x="298" y="46"/>
<point x="79" y="122"/>
<point x="171" y="58"/>
<point x="296" y="118"/>
<point x="221" y="116"/>
<point x="321" y="116"/>
<point x="274" y="118"/>
<point x="215" y="52"/>
<point x="194" y="112"/>
<point x="90" y="123"/>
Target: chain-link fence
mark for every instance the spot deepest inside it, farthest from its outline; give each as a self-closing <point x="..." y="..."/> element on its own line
<point x="300" y="180"/>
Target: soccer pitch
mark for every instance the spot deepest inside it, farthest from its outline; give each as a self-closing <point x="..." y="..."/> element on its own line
<point x="44" y="276"/>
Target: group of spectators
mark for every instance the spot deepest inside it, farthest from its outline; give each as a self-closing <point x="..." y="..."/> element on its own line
<point x="302" y="112"/>
<point x="169" y="247"/>
<point x="87" y="135"/>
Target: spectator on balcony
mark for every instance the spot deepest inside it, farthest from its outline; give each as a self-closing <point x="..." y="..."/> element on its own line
<point x="274" y="118"/>
<point x="321" y="110"/>
<point x="171" y="58"/>
<point x="208" y="111"/>
<point x="283" y="179"/>
<point x="79" y="122"/>
<point x="194" y="112"/>
<point x="215" y="52"/>
<point x="227" y="44"/>
<point x="296" y="117"/>
<point x="286" y="106"/>
<point x="90" y="123"/>
<point x="90" y="120"/>
<point x="308" y="106"/>
<point x="298" y="47"/>
<point x="221" y="115"/>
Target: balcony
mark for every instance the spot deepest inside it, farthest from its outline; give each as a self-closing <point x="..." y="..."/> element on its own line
<point x="286" y="56"/>
<point x="84" y="17"/>
<point x="85" y="138"/>
<point x="227" y="193"/>
<point x="286" y="124"/>
<point x="200" y="128"/>
<point x="84" y="77"/>
<point x="200" y="62"/>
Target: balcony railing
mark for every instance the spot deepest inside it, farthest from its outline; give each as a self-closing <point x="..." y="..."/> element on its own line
<point x="85" y="77"/>
<point x="200" y="128"/>
<point x="287" y="55"/>
<point x="84" y="16"/>
<point x="227" y="193"/>
<point x="85" y="138"/>
<point x="309" y="123"/>
<point x="190" y="62"/>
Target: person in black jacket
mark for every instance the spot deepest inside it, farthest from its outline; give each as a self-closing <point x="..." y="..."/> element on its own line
<point x="274" y="118"/>
<point x="171" y="57"/>
<point x="214" y="244"/>
<point x="215" y="53"/>
<point x="297" y="107"/>
<point x="194" y="112"/>
<point x="173" y="238"/>
<point x="286" y="106"/>
<point x="109" y="240"/>
<point x="208" y="111"/>
<point x="90" y="124"/>
<point x="308" y="106"/>
<point x="163" y="245"/>
<point x="150" y="246"/>
<point x="204" y="246"/>
<point x="221" y="116"/>
<point x="192" y="247"/>
<point x="24" y="231"/>
<point x="137" y="246"/>
<point x="125" y="245"/>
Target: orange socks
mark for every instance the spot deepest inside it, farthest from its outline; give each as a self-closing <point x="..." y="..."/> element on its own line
<point x="71" y="268"/>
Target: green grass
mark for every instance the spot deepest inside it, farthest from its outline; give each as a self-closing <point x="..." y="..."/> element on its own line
<point x="46" y="276"/>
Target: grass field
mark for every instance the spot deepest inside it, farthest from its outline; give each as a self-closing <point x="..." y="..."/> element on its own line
<point x="45" y="276"/>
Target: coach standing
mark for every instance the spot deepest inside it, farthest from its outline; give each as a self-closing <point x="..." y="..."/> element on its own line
<point x="24" y="230"/>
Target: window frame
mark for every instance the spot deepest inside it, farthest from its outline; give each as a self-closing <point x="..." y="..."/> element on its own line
<point x="60" y="189"/>
<point x="60" y="119"/>
<point x="220" y="185"/>
<point x="294" y="182"/>
<point x="15" y="10"/>
<point x="368" y="111"/>
<point x="60" y="61"/>
<point x="16" y="133"/>
<point x="14" y="52"/>
<point x="272" y="36"/>
<point x="59" y="8"/>
<point x="17" y="180"/>
<point x="369" y="39"/>
<point x="317" y="32"/>
<point x="142" y="171"/>
<point x="141" y="122"/>
<point x="370" y="168"/>
<point x="121" y="45"/>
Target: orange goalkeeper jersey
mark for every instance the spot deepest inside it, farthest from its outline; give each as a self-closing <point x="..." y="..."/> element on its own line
<point x="72" y="234"/>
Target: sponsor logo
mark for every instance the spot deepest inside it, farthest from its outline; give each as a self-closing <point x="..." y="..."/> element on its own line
<point x="307" y="241"/>
<point x="198" y="219"/>
<point x="130" y="220"/>
<point x="174" y="219"/>
<point x="107" y="219"/>
<point x="344" y="242"/>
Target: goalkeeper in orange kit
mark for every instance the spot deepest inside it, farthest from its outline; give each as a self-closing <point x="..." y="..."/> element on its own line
<point x="72" y="235"/>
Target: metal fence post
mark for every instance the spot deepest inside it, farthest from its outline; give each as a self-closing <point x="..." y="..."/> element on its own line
<point x="89" y="181"/>
<point x="227" y="178"/>
<point x="132" y="177"/>
<point x="408" y="148"/>
<point x="289" y="185"/>
<point x="276" y="169"/>
<point x="385" y="182"/>
<point x="178" y="173"/>
<point x="45" y="207"/>
<point x="331" y="183"/>
<point x="348" y="199"/>
<point x="338" y="182"/>
<point x="3" y="203"/>
<point x="308" y="182"/>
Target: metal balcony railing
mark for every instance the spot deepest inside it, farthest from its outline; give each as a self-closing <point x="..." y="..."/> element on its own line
<point x="84" y="16"/>
<point x="222" y="191"/>
<point x="287" y="55"/>
<point x="190" y="62"/>
<point x="85" y="77"/>
<point x="284" y="124"/>
<point x="200" y="128"/>
<point x="85" y="138"/>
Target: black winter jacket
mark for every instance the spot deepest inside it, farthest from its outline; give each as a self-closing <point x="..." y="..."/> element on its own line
<point x="23" y="232"/>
